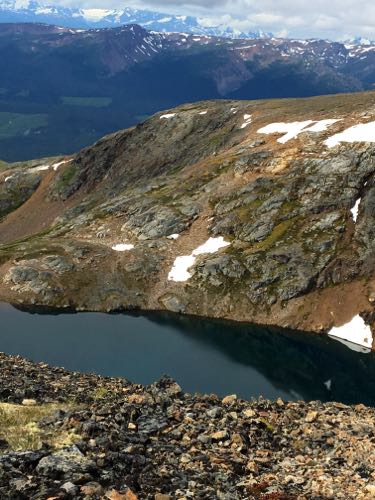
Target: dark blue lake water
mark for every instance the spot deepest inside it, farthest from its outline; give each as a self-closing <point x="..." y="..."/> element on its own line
<point x="202" y="355"/>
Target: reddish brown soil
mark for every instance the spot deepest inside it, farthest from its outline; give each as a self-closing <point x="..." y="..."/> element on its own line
<point x="35" y="215"/>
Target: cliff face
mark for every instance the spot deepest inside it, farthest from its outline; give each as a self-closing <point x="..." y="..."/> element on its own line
<point x="289" y="207"/>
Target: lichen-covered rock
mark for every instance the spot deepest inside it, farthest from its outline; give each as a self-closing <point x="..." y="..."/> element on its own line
<point x="25" y="279"/>
<point x="156" y="222"/>
<point x="64" y="463"/>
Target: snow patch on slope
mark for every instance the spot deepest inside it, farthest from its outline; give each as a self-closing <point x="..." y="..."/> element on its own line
<point x="40" y="168"/>
<point x="355" y="332"/>
<point x="180" y="270"/>
<point x="364" y="132"/>
<point x="321" y="125"/>
<point x="293" y="129"/>
<point x="355" y="209"/>
<point x="123" y="247"/>
<point x="247" y="120"/>
<point x="55" y="166"/>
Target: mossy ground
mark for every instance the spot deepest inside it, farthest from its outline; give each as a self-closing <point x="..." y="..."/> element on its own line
<point x="19" y="426"/>
<point x="67" y="176"/>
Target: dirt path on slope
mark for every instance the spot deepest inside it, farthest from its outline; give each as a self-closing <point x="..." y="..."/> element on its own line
<point x="35" y="215"/>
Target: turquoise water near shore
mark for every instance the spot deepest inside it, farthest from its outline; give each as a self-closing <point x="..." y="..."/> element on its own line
<point x="202" y="355"/>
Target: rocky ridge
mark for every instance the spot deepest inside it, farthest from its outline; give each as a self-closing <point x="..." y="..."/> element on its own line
<point x="241" y="66"/>
<point x="297" y="256"/>
<point x="131" y="442"/>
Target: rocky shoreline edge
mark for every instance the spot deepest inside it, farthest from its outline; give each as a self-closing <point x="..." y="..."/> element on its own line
<point x="66" y="435"/>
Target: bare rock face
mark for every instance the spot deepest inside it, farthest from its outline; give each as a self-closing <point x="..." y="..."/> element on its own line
<point x="64" y="461"/>
<point x="296" y="216"/>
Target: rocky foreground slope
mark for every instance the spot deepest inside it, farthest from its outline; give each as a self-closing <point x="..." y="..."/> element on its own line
<point x="70" y="436"/>
<point x="271" y="212"/>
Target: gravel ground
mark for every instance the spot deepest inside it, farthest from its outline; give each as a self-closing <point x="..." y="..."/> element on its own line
<point x="158" y="443"/>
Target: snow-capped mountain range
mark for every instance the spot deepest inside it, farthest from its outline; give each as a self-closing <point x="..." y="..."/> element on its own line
<point x="25" y="11"/>
<point x="90" y="82"/>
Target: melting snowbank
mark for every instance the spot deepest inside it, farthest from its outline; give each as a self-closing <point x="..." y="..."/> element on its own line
<point x="123" y="247"/>
<point x="247" y="121"/>
<point x="293" y="129"/>
<point x="322" y="125"/>
<point x="355" y="332"/>
<point x="212" y="245"/>
<point x="40" y="168"/>
<point x="355" y="210"/>
<point x="181" y="266"/>
<point x="55" y="166"/>
<point x="364" y="132"/>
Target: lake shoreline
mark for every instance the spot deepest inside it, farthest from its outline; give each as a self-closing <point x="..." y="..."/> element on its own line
<point x="142" y="347"/>
<point x="136" y="312"/>
<point x="128" y="441"/>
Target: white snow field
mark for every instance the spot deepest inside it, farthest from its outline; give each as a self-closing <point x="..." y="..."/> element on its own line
<point x="181" y="266"/>
<point x="293" y="129"/>
<point x="356" y="333"/>
<point x="364" y="132"/>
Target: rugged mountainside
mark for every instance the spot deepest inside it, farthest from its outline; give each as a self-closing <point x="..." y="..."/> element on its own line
<point x="289" y="208"/>
<point x="62" y="89"/>
<point x="30" y="11"/>
<point x="350" y="64"/>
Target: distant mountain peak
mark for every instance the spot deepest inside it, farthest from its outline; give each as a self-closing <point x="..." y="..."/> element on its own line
<point x="359" y="41"/>
<point x="22" y="11"/>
